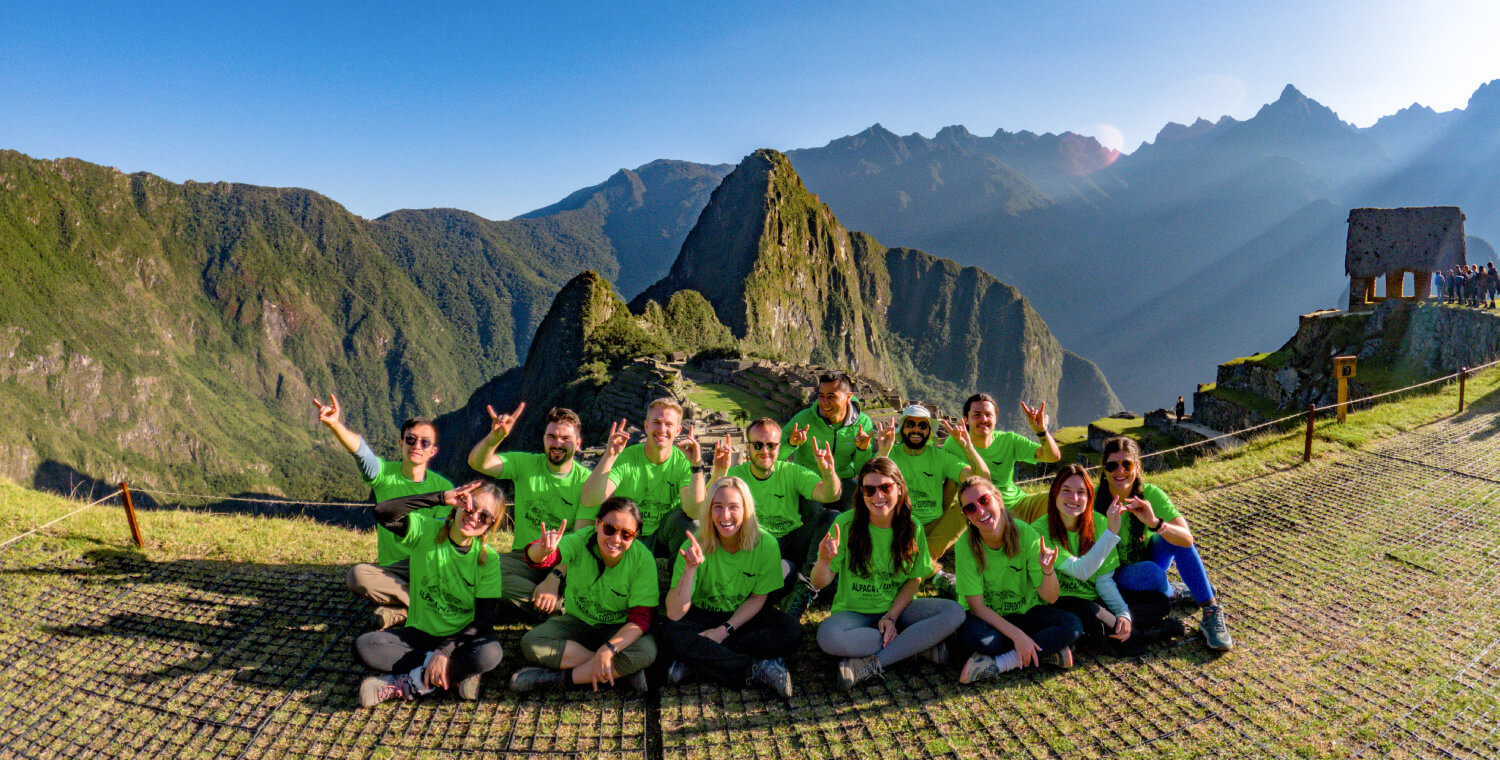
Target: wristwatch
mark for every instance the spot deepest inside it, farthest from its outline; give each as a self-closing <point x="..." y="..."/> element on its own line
<point x="728" y="627"/>
<point x="556" y="573"/>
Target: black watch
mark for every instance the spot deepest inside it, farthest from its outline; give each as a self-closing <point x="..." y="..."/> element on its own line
<point x="728" y="627"/>
<point x="556" y="573"/>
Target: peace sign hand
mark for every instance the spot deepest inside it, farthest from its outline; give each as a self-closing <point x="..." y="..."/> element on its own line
<point x="1113" y="513"/>
<point x="551" y="538"/>
<point x="690" y="447"/>
<point x="692" y="553"/>
<point x="798" y="436"/>
<point x="828" y="548"/>
<point x="618" y="439"/>
<point x="1036" y="416"/>
<point x="329" y="415"/>
<point x="824" y="458"/>
<point x="1047" y="557"/>
<point x="504" y="423"/>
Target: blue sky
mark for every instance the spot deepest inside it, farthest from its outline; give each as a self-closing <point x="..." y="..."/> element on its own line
<point x="500" y="108"/>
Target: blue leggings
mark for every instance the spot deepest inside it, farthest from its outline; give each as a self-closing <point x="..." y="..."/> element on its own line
<point x="1151" y="575"/>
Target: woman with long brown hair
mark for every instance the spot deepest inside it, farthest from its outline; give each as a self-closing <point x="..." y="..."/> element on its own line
<point x="878" y="554"/>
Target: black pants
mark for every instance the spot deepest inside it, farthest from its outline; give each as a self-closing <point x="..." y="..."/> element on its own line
<point x="399" y="650"/>
<point x="1147" y="608"/>
<point x="800" y="547"/>
<point x="1051" y="627"/>
<point x="670" y="535"/>
<point x="768" y="635"/>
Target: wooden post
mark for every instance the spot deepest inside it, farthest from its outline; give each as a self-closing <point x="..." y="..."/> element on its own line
<point x="1463" y="374"/>
<point x="1307" y="447"/>
<point x="135" y="529"/>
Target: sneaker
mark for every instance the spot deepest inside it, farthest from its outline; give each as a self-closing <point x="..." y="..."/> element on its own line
<point x="1062" y="658"/>
<point x="637" y="681"/>
<point x="468" y="689"/>
<point x="979" y="667"/>
<point x="1215" y="630"/>
<point x="937" y="654"/>
<point x="856" y="669"/>
<point x="945" y="584"/>
<point x="773" y="675"/>
<point x="1182" y="595"/>
<point x="377" y="689"/>
<point x="387" y="616"/>
<point x="676" y="673"/>
<point x="798" y="600"/>
<point x="527" y="679"/>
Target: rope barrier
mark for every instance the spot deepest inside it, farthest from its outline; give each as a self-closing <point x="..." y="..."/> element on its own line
<point x="94" y="503"/>
<point x="249" y="500"/>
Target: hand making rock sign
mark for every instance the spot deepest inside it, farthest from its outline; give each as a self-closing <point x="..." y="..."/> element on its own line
<point x="545" y="597"/>
<point x="798" y="436"/>
<point x="502" y="424"/>
<point x="824" y="457"/>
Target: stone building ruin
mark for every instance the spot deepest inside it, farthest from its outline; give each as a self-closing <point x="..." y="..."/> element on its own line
<point x="1390" y="242"/>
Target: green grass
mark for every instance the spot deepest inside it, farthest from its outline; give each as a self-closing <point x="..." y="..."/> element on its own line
<point x="741" y="405"/>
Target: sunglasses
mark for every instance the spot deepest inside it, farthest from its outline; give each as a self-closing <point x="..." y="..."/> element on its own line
<point x="914" y="425"/>
<point x="970" y="507"/>
<point x="485" y="518"/>
<point x="1122" y="464"/>
<point x="418" y="443"/>
<point x="885" y="488"/>
<point x="610" y="530"/>
<point x="765" y="445"/>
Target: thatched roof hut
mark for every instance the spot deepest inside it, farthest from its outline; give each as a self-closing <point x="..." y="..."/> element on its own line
<point x="1386" y="240"/>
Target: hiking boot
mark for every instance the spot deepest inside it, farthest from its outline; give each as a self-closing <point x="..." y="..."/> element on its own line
<point x="936" y="654"/>
<point x="1062" y="658"/>
<point x="387" y="616"/>
<point x="637" y="681"/>
<point x="468" y="689"/>
<point x="377" y="689"/>
<point x="945" y="584"/>
<point x="527" y="679"/>
<point x="856" y="669"/>
<point x="1215" y="630"/>
<point x="676" y="673"/>
<point x="980" y="667"/>
<point x="798" y="600"/>
<point x="1182" y="595"/>
<point x="773" y="675"/>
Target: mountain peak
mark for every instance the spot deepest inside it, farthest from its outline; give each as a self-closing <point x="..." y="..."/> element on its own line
<point x="1291" y="94"/>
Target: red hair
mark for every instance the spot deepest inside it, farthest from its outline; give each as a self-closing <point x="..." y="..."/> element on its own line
<point x="1055" y="527"/>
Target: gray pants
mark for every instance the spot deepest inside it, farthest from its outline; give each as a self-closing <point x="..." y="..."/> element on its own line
<point x="922" y="625"/>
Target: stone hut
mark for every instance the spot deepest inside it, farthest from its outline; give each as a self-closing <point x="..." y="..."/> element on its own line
<point x="1390" y="242"/>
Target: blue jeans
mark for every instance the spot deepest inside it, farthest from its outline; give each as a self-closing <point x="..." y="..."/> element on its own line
<point x="1051" y="628"/>
<point x="1151" y="575"/>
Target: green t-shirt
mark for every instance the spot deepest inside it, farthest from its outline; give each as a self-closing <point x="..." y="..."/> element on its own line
<point x="1067" y="584"/>
<point x="543" y="496"/>
<point x="778" y="504"/>
<point x="724" y="581"/>
<point x="874" y="592"/>
<point x="655" y="488"/>
<point x="1130" y="552"/>
<point x="606" y="598"/>
<point x="847" y="458"/>
<point x="924" y="474"/>
<point x="1008" y="584"/>
<point x="1001" y="455"/>
<point x="391" y="484"/>
<point x="444" y="581"/>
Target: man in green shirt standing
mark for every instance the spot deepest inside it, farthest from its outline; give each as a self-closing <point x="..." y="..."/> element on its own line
<point x="385" y="583"/>
<point x="660" y="477"/>
<point x="836" y="423"/>
<point x="927" y="470"/>
<point x="548" y="491"/>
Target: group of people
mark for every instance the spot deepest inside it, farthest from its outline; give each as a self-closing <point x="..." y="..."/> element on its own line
<point x="830" y="499"/>
<point x="1469" y="285"/>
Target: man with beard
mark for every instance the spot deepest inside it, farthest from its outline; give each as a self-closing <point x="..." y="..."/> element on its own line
<point x="1001" y="450"/>
<point x="927" y="469"/>
<point x="548" y="492"/>
<point x="836" y="423"/>
<point x="659" y="477"/>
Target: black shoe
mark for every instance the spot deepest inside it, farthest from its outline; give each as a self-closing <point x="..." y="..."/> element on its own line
<point x="798" y="600"/>
<point x="527" y="679"/>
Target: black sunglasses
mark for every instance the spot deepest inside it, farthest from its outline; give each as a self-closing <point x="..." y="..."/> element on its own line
<point x="1127" y="464"/>
<point x="418" y="443"/>
<point x="765" y="445"/>
<point x="914" y="425"/>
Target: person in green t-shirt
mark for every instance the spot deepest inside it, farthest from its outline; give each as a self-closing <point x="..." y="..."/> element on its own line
<point x="1144" y="559"/>
<point x="385" y="583"/>
<point x="836" y="423"/>
<point x="1131" y="620"/>
<point x="1007" y="580"/>
<point x="878" y="555"/>
<point x="608" y="599"/>
<point x="717" y="621"/>
<point x="789" y="501"/>
<point x="928" y="472"/>
<point x="656" y="474"/>
<point x="1002" y="450"/>
<point x="548" y="488"/>
<point x="448" y="640"/>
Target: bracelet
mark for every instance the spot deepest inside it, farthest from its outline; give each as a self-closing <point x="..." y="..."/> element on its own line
<point x="611" y="647"/>
<point x="699" y="468"/>
<point x="1048" y="575"/>
<point x="1160" y="523"/>
<point x="1042" y="434"/>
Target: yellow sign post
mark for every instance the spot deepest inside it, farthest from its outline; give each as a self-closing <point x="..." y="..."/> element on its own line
<point x="1343" y="369"/>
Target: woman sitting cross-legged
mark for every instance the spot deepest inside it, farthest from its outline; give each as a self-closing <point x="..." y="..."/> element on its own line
<point x="717" y="621"/>
<point x="1007" y="580"/>
<point x="878" y="553"/>
<point x="609" y="597"/>
<point x="448" y="639"/>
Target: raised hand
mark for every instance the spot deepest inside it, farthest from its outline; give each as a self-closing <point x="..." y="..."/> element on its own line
<point x="798" y="436"/>
<point x="959" y="432"/>
<point x="828" y="548"/>
<point x="618" y="439"/>
<point x="1140" y="509"/>
<point x="862" y="439"/>
<point x="886" y="437"/>
<point x="329" y="414"/>
<point x="551" y="538"/>
<point x="1047" y="557"/>
<point x="1113" y="513"/>
<point x="721" y="458"/>
<point x="1036" y="416"/>
<point x="824" y="458"/>
<point x="460" y="496"/>
<point x="504" y="423"/>
<point x="692" y="553"/>
<point x="690" y="447"/>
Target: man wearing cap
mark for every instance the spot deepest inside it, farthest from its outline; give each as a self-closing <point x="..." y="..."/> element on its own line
<point x="836" y="423"/>
<point x="925" y="469"/>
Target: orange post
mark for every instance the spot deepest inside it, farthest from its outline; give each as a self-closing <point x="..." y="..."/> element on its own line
<point x="1307" y="446"/>
<point x="1463" y="374"/>
<point x="135" y="529"/>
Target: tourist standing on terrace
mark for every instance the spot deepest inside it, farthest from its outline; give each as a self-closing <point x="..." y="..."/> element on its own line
<point x="1001" y="450"/>
<point x="836" y="423"/>
<point x="609" y="598"/>
<point x="385" y="583"/>
<point x="717" y="621"/>
<point x="878" y="554"/>
<point x="448" y="639"/>
<point x="788" y="500"/>
<point x="548" y="488"/>
<point x="1156" y="536"/>
<point x="659" y="477"/>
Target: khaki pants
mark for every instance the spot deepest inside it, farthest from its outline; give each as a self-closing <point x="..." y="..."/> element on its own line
<point x="544" y="644"/>
<point x="1029" y="508"/>
<point x="385" y="586"/>
<point x="944" y="532"/>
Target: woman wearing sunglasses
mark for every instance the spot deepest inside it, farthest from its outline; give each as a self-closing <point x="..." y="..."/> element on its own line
<point x="448" y="639"/>
<point x="718" y="623"/>
<point x="878" y="554"/>
<point x="609" y="597"/>
<point x="1155" y="537"/>
<point x="1007" y="581"/>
